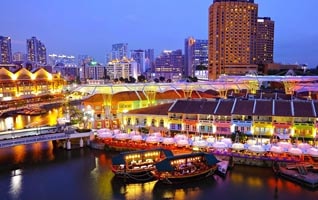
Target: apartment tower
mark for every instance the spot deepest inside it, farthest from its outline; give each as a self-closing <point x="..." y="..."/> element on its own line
<point x="5" y="50"/>
<point x="265" y="40"/>
<point x="195" y="54"/>
<point x="36" y="51"/>
<point x="232" y="37"/>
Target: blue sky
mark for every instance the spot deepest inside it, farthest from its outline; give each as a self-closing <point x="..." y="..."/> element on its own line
<point x="92" y="26"/>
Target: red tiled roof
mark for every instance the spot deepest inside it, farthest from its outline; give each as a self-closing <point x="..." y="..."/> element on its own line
<point x="316" y="107"/>
<point x="161" y="109"/>
<point x="263" y="107"/>
<point x="128" y="96"/>
<point x="96" y="98"/>
<point x="244" y="107"/>
<point x="171" y="94"/>
<point x="282" y="108"/>
<point x="303" y="109"/>
<point x="194" y="106"/>
<point x="225" y="107"/>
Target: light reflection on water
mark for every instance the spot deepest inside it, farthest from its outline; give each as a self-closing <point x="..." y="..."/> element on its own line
<point x="16" y="183"/>
<point x="39" y="171"/>
<point x="22" y="121"/>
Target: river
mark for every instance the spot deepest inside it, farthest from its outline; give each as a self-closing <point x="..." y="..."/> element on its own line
<point x="39" y="171"/>
<point x="22" y="121"/>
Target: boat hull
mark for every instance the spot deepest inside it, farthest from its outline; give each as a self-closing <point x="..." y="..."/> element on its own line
<point x="134" y="177"/>
<point x="170" y="179"/>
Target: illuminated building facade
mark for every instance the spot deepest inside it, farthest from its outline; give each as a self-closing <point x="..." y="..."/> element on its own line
<point x="258" y="117"/>
<point x="122" y="68"/>
<point x="169" y="65"/>
<point x="36" y="52"/>
<point x="119" y="51"/>
<point x="195" y="54"/>
<point x="25" y="83"/>
<point x="232" y="37"/>
<point x="139" y="57"/>
<point x="265" y="40"/>
<point x="5" y="50"/>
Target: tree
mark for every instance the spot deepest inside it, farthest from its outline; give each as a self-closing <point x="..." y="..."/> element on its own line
<point x="121" y="79"/>
<point x="162" y="79"/>
<point x="132" y="79"/>
<point x="141" y="79"/>
<point x="156" y="80"/>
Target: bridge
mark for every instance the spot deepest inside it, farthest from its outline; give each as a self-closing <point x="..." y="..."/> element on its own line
<point x="44" y="134"/>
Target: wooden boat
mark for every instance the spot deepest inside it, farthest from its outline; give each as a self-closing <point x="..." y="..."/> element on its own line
<point x="136" y="166"/>
<point x="185" y="167"/>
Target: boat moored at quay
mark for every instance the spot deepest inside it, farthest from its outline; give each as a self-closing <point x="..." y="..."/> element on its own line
<point x="185" y="168"/>
<point x="136" y="166"/>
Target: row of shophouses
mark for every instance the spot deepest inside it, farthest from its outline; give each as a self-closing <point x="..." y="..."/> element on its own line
<point x="223" y="117"/>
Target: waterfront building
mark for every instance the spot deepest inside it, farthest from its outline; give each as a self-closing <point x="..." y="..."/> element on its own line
<point x="123" y="68"/>
<point x="154" y="119"/>
<point x="232" y="37"/>
<point x="261" y="118"/>
<point x="265" y="40"/>
<point x="119" y="51"/>
<point x="24" y="83"/>
<point x="139" y="57"/>
<point x="5" y="50"/>
<point x="195" y="54"/>
<point x="169" y="64"/>
<point x="36" y="52"/>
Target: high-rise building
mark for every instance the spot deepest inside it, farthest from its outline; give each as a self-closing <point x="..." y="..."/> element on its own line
<point x="149" y="59"/>
<point x="232" y="37"/>
<point x="265" y="40"/>
<point x="19" y="57"/>
<point x="124" y="68"/>
<point x="139" y="57"/>
<point x="169" y="65"/>
<point x="36" y="51"/>
<point x="195" y="54"/>
<point x="119" y="51"/>
<point x="5" y="50"/>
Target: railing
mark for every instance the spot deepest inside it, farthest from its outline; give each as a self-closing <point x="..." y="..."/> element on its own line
<point x="40" y="138"/>
<point x="32" y="139"/>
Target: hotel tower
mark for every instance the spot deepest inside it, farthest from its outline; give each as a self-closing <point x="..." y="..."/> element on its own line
<point x="232" y="37"/>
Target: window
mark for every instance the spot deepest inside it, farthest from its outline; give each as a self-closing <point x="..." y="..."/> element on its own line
<point x="161" y="123"/>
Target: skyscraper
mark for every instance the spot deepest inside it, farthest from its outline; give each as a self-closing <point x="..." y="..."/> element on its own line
<point x="195" y="54"/>
<point x="36" y="51"/>
<point x="139" y="57"/>
<point x="149" y="59"/>
<point x="232" y="37"/>
<point x="169" y="65"/>
<point x="5" y="50"/>
<point x="119" y="51"/>
<point x="265" y="40"/>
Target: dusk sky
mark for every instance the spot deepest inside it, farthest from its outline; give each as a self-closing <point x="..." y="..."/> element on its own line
<point x="90" y="27"/>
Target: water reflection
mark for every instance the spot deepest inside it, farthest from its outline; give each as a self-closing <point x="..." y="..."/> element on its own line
<point x="16" y="183"/>
<point x="22" y="121"/>
<point x="191" y="190"/>
<point x="86" y="174"/>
